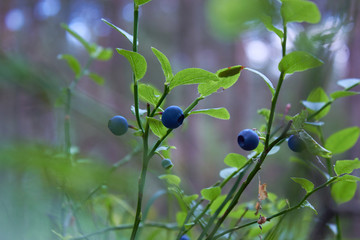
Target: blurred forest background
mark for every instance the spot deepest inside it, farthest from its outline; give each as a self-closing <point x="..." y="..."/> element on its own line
<point x="209" y="34"/>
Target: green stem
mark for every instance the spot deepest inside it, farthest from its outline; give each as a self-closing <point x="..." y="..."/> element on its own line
<point x="338" y="226"/>
<point x="162" y="98"/>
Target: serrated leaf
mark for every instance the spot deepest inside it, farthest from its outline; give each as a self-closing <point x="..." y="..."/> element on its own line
<point x="318" y="98"/>
<point x="346" y="166"/>
<point x="267" y="21"/>
<point x="220" y="113"/>
<point x="157" y="127"/>
<point x="165" y="64"/>
<point x="343" y="191"/>
<point x="171" y="179"/>
<point x="211" y="193"/>
<point x="137" y="62"/>
<point x="267" y="80"/>
<point x="349" y="82"/>
<point x="314" y="147"/>
<point x="342" y="140"/>
<point x="340" y="94"/>
<point x="300" y="11"/>
<point x="96" y="78"/>
<point x="123" y="32"/>
<point x="235" y="160"/>
<point x="298" y="61"/>
<point x="309" y="205"/>
<point x="141" y="2"/>
<point x="87" y="46"/>
<point x="305" y="184"/>
<point x="192" y="76"/>
<point x="72" y="62"/>
<point x="148" y="94"/>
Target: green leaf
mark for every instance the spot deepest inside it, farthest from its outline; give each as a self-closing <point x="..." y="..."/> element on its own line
<point x="300" y="11"/>
<point x="298" y="61"/>
<point x="226" y="78"/>
<point x="192" y="76"/>
<point x="123" y="32"/>
<point x="299" y="120"/>
<point x="141" y="2"/>
<point x="346" y="166"/>
<point x="305" y="184"/>
<point x="349" y="82"/>
<point x="149" y="94"/>
<point x="87" y="46"/>
<point x="211" y="193"/>
<point x="188" y="199"/>
<point x="348" y="178"/>
<point x="315" y="101"/>
<point x="180" y="218"/>
<point x="235" y="160"/>
<point x="96" y="78"/>
<point x="314" y="147"/>
<point x="102" y="54"/>
<point x="342" y="140"/>
<point x="137" y="62"/>
<point x="221" y="113"/>
<point x="267" y="21"/>
<point x="340" y="94"/>
<point x="165" y="64"/>
<point x="157" y="127"/>
<point x="343" y="191"/>
<point x="226" y="172"/>
<point x="72" y="62"/>
<point x="309" y="205"/>
<point x="267" y="80"/>
<point x="314" y="106"/>
<point x="171" y="179"/>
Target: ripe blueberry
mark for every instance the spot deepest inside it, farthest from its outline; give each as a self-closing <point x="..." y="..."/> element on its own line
<point x="184" y="237"/>
<point x="118" y="125"/>
<point x="172" y="117"/>
<point x="295" y="143"/>
<point x="167" y="164"/>
<point x="248" y="139"/>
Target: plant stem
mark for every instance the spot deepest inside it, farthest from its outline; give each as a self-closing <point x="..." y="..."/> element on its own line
<point x="163" y="96"/>
<point x="338" y="227"/>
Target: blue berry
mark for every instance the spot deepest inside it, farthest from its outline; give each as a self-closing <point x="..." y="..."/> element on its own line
<point x="295" y="143"/>
<point x="172" y="117"/>
<point x="184" y="237"/>
<point x="167" y="164"/>
<point x="248" y="139"/>
<point x="118" y="125"/>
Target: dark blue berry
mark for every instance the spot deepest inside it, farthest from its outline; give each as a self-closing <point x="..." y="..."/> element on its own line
<point x="172" y="117"/>
<point x="166" y="163"/>
<point x="184" y="237"/>
<point x="295" y="143"/>
<point x="248" y="139"/>
<point x="118" y="125"/>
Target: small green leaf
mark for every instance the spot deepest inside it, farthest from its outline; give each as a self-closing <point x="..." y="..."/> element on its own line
<point x="171" y="179"/>
<point x="343" y="191"/>
<point x="267" y="80"/>
<point x="300" y="11"/>
<point x="299" y="120"/>
<point x="188" y="199"/>
<point x="342" y="140"/>
<point x="123" y="32"/>
<point x="314" y="147"/>
<point x="309" y="205"/>
<point x="298" y="61"/>
<point x="317" y="99"/>
<point x="264" y="112"/>
<point x="349" y="82"/>
<point x="235" y="160"/>
<point x="314" y="106"/>
<point x="192" y="76"/>
<point x="180" y="218"/>
<point x="211" y="193"/>
<point x="141" y="2"/>
<point x="96" y="78"/>
<point x="87" y="46"/>
<point x="137" y="62"/>
<point x="102" y="54"/>
<point x="305" y="184"/>
<point x="165" y="64"/>
<point x="348" y="178"/>
<point x="72" y="62"/>
<point x="267" y="21"/>
<point x="221" y="113"/>
<point x="157" y="127"/>
<point x="226" y="172"/>
<point x="340" y="94"/>
<point x="346" y="166"/>
<point x="148" y="94"/>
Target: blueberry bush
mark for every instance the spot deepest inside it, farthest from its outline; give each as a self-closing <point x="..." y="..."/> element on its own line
<point x="221" y="210"/>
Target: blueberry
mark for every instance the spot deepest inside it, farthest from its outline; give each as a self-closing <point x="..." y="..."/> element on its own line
<point x="184" y="237"/>
<point x="248" y="139"/>
<point x="172" y="117"/>
<point x="167" y="164"/>
<point x="118" y="125"/>
<point x="295" y="143"/>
